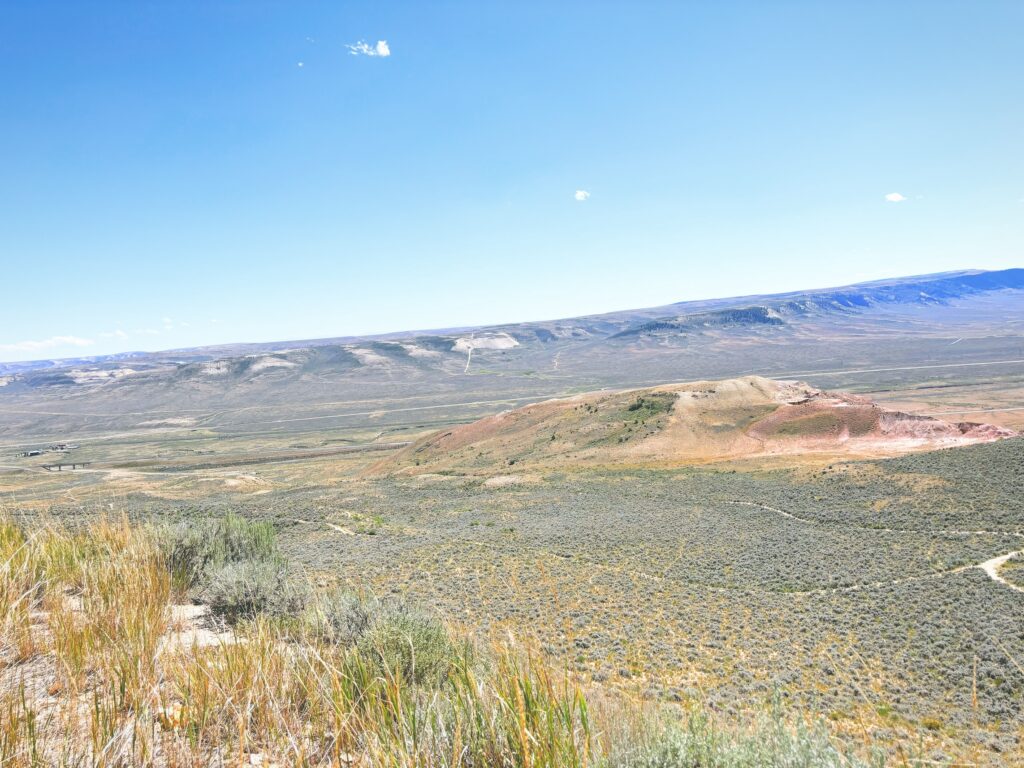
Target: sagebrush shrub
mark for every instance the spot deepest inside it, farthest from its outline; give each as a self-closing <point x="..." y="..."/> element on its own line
<point x="397" y="639"/>
<point x="195" y="551"/>
<point x="341" y="618"/>
<point x="407" y="643"/>
<point x="251" y="588"/>
<point x="769" y="742"/>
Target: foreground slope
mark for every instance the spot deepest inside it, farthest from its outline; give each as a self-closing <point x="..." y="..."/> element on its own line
<point x="685" y="423"/>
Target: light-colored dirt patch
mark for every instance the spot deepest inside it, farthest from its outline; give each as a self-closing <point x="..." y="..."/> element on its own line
<point x="432" y="478"/>
<point x="175" y="421"/>
<point x="192" y="626"/>
<point x="265" y="362"/>
<point x="501" y="481"/>
<point x="369" y="357"/>
<point x="484" y="341"/>
<point x="415" y="351"/>
<point x="248" y="483"/>
<point x="97" y="376"/>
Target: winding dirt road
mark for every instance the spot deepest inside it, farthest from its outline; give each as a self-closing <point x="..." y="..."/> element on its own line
<point x="990" y="567"/>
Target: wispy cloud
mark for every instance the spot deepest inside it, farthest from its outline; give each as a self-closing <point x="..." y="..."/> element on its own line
<point x="895" y="197"/>
<point x="50" y="343"/>
<point x="365" y="49"/>
<point x="582" y="195"/>
<point x="118" y="334"/>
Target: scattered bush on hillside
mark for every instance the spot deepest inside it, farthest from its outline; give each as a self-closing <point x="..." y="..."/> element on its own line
<point x="196" y="551"/>
<point x="769" y="741"/>
<point x="340" y="618"/>
<point x="251" y="588"/>
<point x="652" y="404"/>
<point x="406" y="643"/>
<point x="398" y="639"/>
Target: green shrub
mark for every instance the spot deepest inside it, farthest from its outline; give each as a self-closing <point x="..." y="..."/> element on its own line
<point x="652" y="404"/>
<point x="194" y="551"/>
<point x="769" y="743"/>
<point x="396" y="638"/>
<point x="253" y="587"/>
<point x="341" y="618"/>
<point x="409" y="644"/>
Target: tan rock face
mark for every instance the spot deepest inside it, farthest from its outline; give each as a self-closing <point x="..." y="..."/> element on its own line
<point x="679" y="424"/>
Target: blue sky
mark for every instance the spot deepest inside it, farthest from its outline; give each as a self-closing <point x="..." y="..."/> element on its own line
<point x="178" y="174"/>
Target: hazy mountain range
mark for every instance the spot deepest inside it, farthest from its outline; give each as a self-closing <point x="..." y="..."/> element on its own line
<point x="949" y="319"/>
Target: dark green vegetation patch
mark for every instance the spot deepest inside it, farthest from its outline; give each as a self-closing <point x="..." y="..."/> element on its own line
<point x="652" y="404"/>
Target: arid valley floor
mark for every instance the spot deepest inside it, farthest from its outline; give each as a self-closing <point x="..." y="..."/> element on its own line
<point x="881" y="593"/>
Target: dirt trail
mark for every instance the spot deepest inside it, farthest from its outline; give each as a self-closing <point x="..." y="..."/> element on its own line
<point x="990" y="567"/>
<point x="939" y="531"/>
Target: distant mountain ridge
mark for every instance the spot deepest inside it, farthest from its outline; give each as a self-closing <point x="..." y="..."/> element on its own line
<point x="926" y="289"/>
<point x="768" y="309"/>
<point x="716" y="318"/>
<point x="924" y="328"/>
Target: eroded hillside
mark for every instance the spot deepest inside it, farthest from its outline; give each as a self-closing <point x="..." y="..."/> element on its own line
<point x="685" y="423"/>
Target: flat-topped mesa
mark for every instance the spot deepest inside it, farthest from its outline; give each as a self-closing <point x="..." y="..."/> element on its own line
<point x="678" y="424"/>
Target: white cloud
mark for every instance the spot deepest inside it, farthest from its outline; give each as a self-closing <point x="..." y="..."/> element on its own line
<point x="895" y="197"/>
<point x="365" y="49"/>
<point x="582" y="195"/>
<point x="50" y="343"/>
<point x="118" y="334"/>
